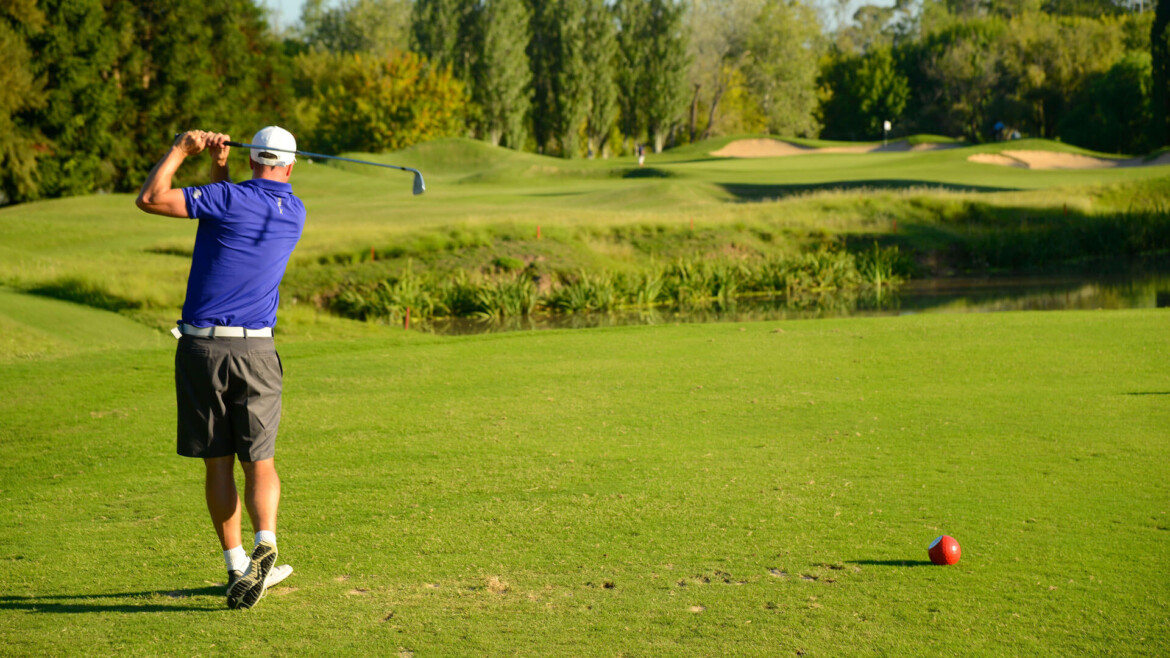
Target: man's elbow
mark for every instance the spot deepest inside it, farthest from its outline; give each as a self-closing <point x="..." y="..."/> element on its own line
<point x="160" y="206"/>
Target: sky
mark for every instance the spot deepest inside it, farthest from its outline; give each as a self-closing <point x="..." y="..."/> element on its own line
<point x="287" y="11"/>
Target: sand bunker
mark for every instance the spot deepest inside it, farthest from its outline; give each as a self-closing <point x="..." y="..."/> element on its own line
<point x="996" y="159"/>
<point x="759" y="148"/>
<point x="1052" y="160"/>
<point x="773" y="148"/>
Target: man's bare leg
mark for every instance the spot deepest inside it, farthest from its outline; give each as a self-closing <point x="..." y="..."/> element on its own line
<point x="223" y="502"/>
<point x="261" y="493"/>
<point x="261" y="497"/>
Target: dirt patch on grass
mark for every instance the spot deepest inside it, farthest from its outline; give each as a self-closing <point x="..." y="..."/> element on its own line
<point x="496" y="586"/>
<point x="1053" y="160"/>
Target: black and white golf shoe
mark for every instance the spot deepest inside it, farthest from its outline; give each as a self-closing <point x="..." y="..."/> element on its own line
<point x="249" y="589"/>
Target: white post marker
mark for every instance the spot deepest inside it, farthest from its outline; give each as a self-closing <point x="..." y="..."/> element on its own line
<point x="885" y="130"/>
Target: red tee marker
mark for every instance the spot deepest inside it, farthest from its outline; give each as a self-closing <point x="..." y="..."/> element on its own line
<point x="944" y="550"/>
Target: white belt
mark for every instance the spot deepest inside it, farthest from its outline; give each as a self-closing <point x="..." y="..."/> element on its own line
<point x="222" y="332"/>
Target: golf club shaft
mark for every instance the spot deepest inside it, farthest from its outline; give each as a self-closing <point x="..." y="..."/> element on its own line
<point x="319" y="155"/>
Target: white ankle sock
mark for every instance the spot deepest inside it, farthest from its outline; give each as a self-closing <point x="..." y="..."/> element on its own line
<point x="266" y="535"/>
<point x="236" y="559"/>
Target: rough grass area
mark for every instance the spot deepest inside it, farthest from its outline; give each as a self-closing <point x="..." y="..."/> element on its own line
<point x="751" y="489"/>
<point x="492" y="210"/>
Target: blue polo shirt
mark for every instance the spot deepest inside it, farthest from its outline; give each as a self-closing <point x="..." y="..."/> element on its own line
<point x="247" y="232"/>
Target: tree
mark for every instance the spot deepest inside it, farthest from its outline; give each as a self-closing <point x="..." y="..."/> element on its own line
<point x="664" y="80"/>
<point x="630" y="61"/>
<point x="168" y="82"/>
<point x="865" y="92"/>
<point x="870" y="29"/>
<point x="502" y="74"/>
<point x="718" y="49"/>
<point x="883" y="91"/>
<point x="560" y="100"/>
<point x="1046" y="61"/>
<point x="1089" y="8"/>
<point x="376" y="26"/>
<point x="1112" y="114"/>
<point x="442" y="31"/>
<point x="784" y="47"/>
<point x="601" y="88"/>
<point x="20" y="91"/>
<point x="570" y="91"/>
<point x="1160" y="72"/>
<point x="652" y="67"/>
<point x="75" y="55"/>
<point x="963" y="73"/>
<point x="366" y="103"/>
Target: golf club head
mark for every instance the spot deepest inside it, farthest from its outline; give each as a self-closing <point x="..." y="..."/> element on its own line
<point x="419" y="185"/>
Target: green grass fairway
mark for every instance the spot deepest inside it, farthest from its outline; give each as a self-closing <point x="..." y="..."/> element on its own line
<point x="731" y="489"/>
<point x="754" y="489"/>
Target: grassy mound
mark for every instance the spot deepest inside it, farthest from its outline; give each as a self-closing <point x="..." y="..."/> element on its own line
<point x="914" y="140"/>
<point x="461" y="160"/>
<point x="39" y="326"/>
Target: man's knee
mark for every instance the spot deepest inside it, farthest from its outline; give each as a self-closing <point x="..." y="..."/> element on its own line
<point x="219" y="466"/>
<point x="259" y="469"/>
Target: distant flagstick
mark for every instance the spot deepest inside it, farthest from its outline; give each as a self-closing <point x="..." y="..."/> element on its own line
<point x="419" y="185"/>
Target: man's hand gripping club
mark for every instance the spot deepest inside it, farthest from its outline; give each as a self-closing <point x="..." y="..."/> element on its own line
<point x="157" y="196"/>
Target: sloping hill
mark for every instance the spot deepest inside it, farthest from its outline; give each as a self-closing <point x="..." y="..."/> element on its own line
<point x="33" y="326"/>
<point x="455" y="160"/>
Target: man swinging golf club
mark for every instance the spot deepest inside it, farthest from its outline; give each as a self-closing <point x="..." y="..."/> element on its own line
<point x="227" y="372"/>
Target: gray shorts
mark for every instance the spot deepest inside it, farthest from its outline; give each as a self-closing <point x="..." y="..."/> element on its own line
<point x="228" y="394"/>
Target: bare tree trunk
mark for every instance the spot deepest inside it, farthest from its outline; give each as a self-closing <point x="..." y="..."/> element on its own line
<point x="711" y="115"/>
<point x="602" y="145"/>
<point x="694" y="109"/>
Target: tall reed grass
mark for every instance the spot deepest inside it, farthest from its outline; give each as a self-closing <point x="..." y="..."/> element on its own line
<point x="690" y="283"/>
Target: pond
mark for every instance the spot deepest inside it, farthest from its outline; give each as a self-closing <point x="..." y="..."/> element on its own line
<point x="949" y="295"/>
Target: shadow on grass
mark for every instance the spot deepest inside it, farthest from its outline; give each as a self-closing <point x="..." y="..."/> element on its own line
<point x="79" y="291"/>
<point x="647" y="172"/>
<point x="892" y="563"/>
<point x="126" y="602"/>
<point x="746" y="192"/>
<point x="1149" y="393"/>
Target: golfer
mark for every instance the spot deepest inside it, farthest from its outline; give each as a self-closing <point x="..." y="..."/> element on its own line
<point x="227" y="372"/>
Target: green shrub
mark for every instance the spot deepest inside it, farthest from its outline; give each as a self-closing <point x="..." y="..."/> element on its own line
<point x="507" y="264"/>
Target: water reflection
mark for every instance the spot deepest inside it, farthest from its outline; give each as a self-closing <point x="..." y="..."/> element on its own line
<point x="956" y="295"/>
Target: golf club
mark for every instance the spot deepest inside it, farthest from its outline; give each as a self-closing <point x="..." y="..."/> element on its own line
<point x="419" y="185"/>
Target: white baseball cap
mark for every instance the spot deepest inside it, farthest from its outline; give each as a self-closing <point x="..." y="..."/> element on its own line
<point x="277" y="138"/>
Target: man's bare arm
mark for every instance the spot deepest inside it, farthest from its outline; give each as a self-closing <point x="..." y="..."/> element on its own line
<point x="218" y="148"/>
<point x="157" y="197"/>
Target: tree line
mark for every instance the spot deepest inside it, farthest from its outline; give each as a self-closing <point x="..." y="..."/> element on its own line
<point x="92" y="90"/>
